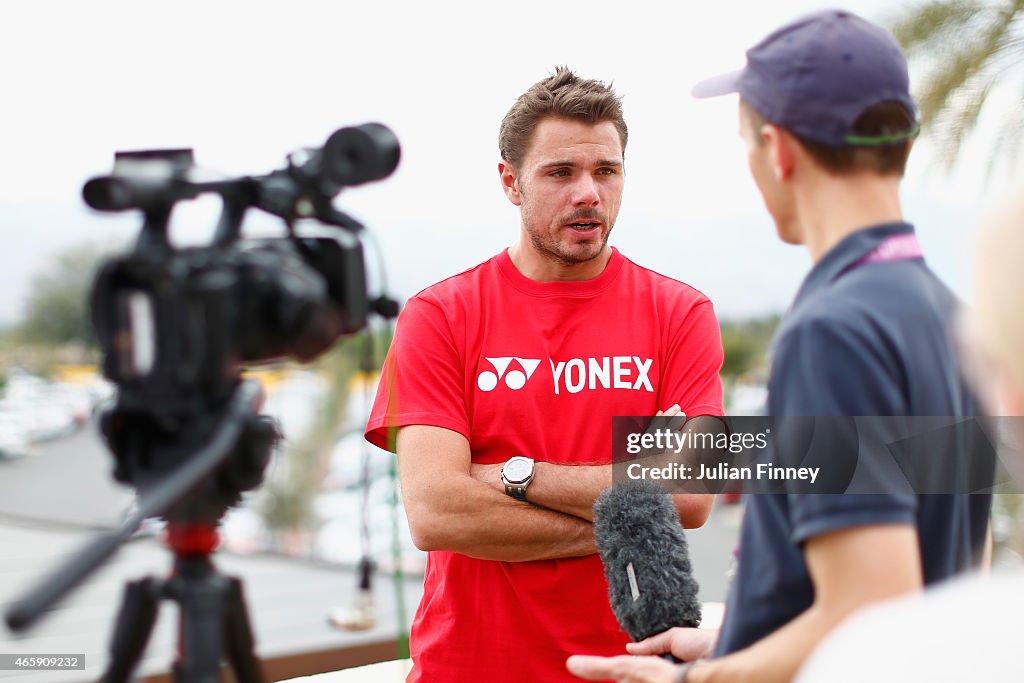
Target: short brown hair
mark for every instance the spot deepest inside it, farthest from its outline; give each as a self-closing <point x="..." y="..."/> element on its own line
<point x="887" y="118"/>
<point x="562" y="94"/>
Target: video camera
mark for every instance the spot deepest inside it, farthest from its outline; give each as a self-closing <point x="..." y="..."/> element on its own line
<point x="180" y="319"/>
<point x="176" y="325"/>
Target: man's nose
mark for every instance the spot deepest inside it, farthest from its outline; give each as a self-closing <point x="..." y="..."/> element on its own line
<point x="584" y="192"/>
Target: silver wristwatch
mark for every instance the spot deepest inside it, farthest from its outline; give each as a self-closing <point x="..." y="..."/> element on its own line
<point x="516" y="475"/>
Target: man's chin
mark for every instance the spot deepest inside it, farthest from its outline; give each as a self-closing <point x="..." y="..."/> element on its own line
<point x="582" y="253"/>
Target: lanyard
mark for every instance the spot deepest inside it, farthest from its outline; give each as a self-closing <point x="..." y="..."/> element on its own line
<point x="894" y="248"/>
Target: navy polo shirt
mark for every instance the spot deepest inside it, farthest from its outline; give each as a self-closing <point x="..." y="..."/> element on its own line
<point x="859" y="340"/>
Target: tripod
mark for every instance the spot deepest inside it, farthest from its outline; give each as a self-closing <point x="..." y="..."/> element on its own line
<point x="213" y="616"/>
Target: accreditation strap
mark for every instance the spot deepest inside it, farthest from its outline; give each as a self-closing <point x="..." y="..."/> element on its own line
<point x="903" y="247"/>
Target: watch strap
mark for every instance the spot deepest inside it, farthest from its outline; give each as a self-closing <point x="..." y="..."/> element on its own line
<point x="517" y="491"/>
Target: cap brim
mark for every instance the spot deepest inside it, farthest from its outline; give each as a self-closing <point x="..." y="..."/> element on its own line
<point x="718" y="85"/>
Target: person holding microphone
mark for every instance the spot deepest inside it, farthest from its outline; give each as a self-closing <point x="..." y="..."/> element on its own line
<point x="828" y="122"/>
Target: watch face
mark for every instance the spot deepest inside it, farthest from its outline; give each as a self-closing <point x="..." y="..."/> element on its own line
<point x="517" y="469"/>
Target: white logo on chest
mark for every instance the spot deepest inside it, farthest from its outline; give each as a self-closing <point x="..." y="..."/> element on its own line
<point x="514" y="379"/>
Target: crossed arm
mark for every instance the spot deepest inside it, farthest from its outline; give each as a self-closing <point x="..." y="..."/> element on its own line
<point x="450" y="510"/>
<point x="457" y="506"/>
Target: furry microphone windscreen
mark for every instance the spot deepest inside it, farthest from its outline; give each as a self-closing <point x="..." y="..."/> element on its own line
<point x="646" y="560"/>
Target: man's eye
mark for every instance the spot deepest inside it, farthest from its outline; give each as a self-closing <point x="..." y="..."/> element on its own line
<point x="560" y="173"/>
<point x="606" y="171"/>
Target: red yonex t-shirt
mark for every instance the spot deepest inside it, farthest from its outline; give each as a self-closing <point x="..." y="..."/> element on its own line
<point x="539" y="369"/>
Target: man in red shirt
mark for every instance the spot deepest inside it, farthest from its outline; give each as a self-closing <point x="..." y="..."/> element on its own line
<point x="498" y="393"/>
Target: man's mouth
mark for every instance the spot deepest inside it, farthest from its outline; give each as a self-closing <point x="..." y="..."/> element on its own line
<point x="583" y="226"/>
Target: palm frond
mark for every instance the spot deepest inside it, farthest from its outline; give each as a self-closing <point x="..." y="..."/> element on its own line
<point x="966" y="49"/>
<point x="1009" y="141"/>
<point x="964" y="74"/>
<point x="926" y="27"/>
<point x="959" y="120"/>
<point x="961" y="66"/>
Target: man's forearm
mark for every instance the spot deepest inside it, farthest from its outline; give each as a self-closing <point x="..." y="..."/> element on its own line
<point x="449" y="509"/>
<point x="850" y="568"/>
<point x="570" y="489"/>
<point x="473" y="519"/>
<point x="573" y="489"/>
<point x="774" y="659"/>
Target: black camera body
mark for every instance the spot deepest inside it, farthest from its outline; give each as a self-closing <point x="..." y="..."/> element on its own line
<point x="176" y="325"/>
<point x="176" y="319"/>
<point x="188" y="319"/>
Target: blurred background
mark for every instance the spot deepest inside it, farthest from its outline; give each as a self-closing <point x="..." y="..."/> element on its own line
<point x="246" y="83"/>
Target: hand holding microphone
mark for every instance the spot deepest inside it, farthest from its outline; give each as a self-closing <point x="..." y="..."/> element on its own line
<point x="683" y="643"/>
<point x="650" y="585"/>
<point x="646" y="561"/>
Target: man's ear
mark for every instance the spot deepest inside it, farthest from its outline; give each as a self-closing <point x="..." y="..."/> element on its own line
<point x="782" y="150"/>
<point x="510" y="182"/>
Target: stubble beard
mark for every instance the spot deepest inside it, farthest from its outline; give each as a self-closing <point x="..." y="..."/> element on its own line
<point x="554" y="250"/>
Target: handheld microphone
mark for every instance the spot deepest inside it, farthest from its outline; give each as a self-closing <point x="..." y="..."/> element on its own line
<point x="646" y="560"/>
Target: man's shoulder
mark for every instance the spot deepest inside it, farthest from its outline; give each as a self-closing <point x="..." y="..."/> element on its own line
<point x="820" y="353"/>
<point x="887" y="292"/>
<point x="872" y="306"/>
<point x="818" y="319"/>
<point x="664" y="285"/>
<point x="458" y="285"/>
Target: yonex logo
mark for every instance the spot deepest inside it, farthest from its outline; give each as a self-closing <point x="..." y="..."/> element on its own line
<point x="573" y="375"/>
<point x="609" y="372"/>
<point x="514" y="379"/>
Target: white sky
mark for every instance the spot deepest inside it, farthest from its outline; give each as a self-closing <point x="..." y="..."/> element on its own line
<point x="243" y="83"/>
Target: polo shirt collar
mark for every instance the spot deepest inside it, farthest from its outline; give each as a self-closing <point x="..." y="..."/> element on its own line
<point x="848" y="251"/>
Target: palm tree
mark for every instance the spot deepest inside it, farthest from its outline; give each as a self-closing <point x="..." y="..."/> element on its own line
<point x="967" y="49"/>
<point x="287" y="502"/>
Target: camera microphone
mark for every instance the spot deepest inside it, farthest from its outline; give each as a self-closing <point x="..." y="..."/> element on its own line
<point x="646" y="560"/>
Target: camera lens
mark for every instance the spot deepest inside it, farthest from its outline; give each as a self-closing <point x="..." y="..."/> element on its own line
<point x="359" y="154"/>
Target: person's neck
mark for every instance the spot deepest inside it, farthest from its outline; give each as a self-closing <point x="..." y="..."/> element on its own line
<point x="830" y="208"/>
<point x="540" y="268"/>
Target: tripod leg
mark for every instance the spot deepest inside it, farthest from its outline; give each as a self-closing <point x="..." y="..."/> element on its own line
<point x="201" y="599"/>
<point x="133" y="627"/>
<point x="238" y="638"/>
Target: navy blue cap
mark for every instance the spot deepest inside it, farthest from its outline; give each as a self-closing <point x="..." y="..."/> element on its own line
<point x="817" y="75"/>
